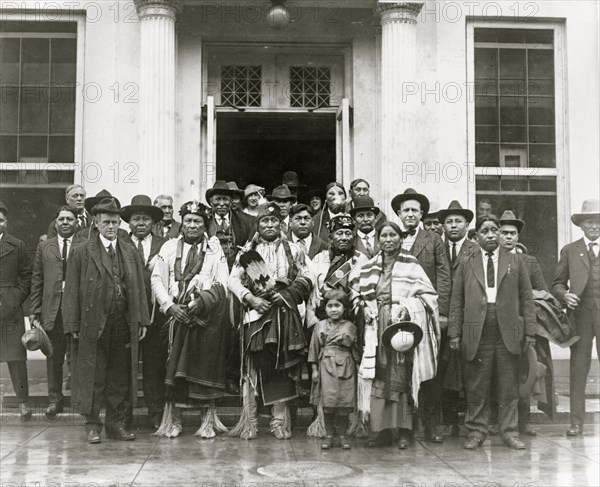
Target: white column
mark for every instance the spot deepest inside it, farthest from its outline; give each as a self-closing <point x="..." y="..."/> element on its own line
<point x="157" y="95"/>
<point x="398" y="108"/>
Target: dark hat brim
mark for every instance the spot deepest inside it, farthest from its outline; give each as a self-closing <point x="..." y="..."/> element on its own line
<point x="155" y="212"/>
<point x="94" y="200"/>
<point x="401" y="198"/>
<point x="394" y="328"/>
<point x="270" y="197"/>
<point x="213" y="191"/>
<point x="443" y="214"/>
<point x="531" y="362"/>
<point x="355" y="210"/>
<point x="305" y="197"/>
<point x="578" y="218"/>
<point x="37" y="339"/>
<point x="520" y="224"/>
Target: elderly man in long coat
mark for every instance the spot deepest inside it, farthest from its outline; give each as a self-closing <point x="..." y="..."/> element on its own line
<point x="105" y="309"/>
<point x="15" y="283"/>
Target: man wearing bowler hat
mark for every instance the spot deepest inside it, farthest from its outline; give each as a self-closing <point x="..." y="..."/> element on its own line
<point x="285" y="199"/>
<point x="577" y="286"/>
<point x="429" y="250"/>
<point x="365" y="214"/>
<point x="15" y="284"/>
<point x="75" y="199"/>
<point x="142" y="215"/>
<point x="91" y="232"/>
<point x="492" y="319"/>
<point x="47" y="285"/>
<point x="361" y="188"/>
<point x="106" y="309"/>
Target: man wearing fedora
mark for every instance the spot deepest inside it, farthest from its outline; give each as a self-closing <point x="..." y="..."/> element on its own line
<point x="285" y="199"/>
<point x="361" y="188"/>
<point x="105" y="308"/>
<point x="577" y="286"/>
<point x="365" y="214"/>
<point x="300" y="232"/>
<point x="75" y="199"/>
<point x="429" y="250"/>
<point x="292" y="181"/>
<point x="492" y="318"/>
<point x="47" y="285"/>
<point x="142" y="215"/>
<point x="236" y="196"/>
<point x="15" y="284"/>
<point x="233" y="229"/>
<point x="168" y="227"/>
<point x="91" y="232"/>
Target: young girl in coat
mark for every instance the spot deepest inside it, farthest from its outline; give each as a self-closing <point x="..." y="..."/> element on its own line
<point x="333" y="355"/>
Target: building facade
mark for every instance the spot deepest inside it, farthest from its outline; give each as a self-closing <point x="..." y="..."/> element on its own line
<point x="490" y="103"/>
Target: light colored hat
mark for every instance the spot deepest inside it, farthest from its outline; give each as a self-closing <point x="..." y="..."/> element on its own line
<point x="589" y="209"/>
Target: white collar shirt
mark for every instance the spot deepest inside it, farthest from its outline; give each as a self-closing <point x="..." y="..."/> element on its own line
<point x="307" y="241"/>
<point x="596" y="248"/>
<point x="146" y="244"/>
<point x="106" y="243"/>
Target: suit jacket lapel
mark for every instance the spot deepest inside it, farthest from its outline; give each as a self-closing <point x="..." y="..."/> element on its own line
<point x="583" y="252"/>
<point x="55" y="249"/>
<point x="100" y="257"/>
<point x="419" y="243"/>
<point x="504" y="261"/>
<point x="6" y="245"/>
<point x="477" y="263"/>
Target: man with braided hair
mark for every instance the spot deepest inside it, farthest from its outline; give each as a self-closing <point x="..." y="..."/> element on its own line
<point x="272" y="281"/>
<point x="189" y="281"/>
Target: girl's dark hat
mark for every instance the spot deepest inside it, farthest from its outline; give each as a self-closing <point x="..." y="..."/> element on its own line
<point x="410" y="194"/>
<point x="142" y="204"/>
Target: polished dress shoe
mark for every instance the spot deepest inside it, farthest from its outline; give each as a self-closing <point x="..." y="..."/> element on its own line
<point x="53" y="409"/>
<point x="327" y="443"/>
<point x="24" y="412"/>
<point x="344" y="443"/>
<point x="120" y="433"/>
<point x="93" y="437"/>
<point x="472" y="443"/>
<point x="515" y="443"/>
<point x="403" y="441"/>
<point x="575" y="430"/>
<point x="432" y="436"/>
<point x="383" y="438"/>
<point x="232" y="387"/>
<point x="526" y="429"/>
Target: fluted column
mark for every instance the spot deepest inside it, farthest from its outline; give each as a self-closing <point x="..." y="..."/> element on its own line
<point x="398" y="108"/>
<point x="157" y="95"/>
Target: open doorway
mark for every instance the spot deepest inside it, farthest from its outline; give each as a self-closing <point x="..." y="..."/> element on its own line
<point x="259" y="147"/>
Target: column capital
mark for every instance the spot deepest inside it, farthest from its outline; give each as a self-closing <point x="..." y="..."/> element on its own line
<point x="403" y="12"/>
<point x="158" y="8"/>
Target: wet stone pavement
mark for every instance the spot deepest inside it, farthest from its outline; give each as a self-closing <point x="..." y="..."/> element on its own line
<point x="44" y="454"/>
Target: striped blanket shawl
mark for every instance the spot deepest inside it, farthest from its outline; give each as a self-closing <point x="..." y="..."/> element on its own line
<point x="411" y="289"/>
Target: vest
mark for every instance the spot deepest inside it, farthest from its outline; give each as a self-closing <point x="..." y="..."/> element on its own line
<point x="591" y="292"/>
<point x="115" y="290"/>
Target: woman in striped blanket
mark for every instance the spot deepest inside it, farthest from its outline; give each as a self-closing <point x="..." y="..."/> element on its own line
<point x="391" y="284"/>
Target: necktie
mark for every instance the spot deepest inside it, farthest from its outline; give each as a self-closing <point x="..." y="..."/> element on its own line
<point x="165" y="230"/>
<point x="140" y="248"/>
<point x="453" y="252"/>
<point x="491" y="278"/>
<point x="111" y="253"/>
<point x="368" y="246"/>
<point x="409" y="232"/>
<point x="190" y="262"/>
<point x="81" y="221"/>
<point x="592" y="246"/>
<point x="65" y="250"/>
<point x="284" y="226"/>
<point x="222" y="225"/>
<point x="302" y="245"/>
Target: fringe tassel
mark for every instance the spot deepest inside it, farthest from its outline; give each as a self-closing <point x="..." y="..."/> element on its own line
<point x="317" y="427"/>
<point x="168" y="428"/>
<point x="210" y="423"/>
<point x="357" y="427"/>
<point x="363" y="397"/>
<point x="247" y="427"/>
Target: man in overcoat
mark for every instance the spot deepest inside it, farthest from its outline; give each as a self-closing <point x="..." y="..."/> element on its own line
<point x="15" y="283"/>
<point x="577" y="286"/>
<point x="105" y="308"/>
<point x="47" y="285"/>
<point x="492" y="318"/>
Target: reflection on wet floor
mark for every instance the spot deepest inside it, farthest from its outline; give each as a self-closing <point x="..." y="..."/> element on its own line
<point x="42" y="454"/>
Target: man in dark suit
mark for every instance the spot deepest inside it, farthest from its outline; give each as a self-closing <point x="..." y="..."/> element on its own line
<point x="429" y="250"/>
<point x="283" y="197"/>
<point x="577" y="286"/>
<point x="91" y="232"/>
<point x="492" y="316"/>
<point x="141" y="216"/>
<point x="47" y="285"/>
<point x="15" y="284"/>
<point x="365" y="214"/>
<point x="75" y="198"/>
<point x="360" y="188"/>
<point x="168" y="227"/>
<point x="106" y="309"/>
<point x="301" y="226"/>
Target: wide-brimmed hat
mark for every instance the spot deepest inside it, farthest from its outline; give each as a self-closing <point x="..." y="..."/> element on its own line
<point x="281" y="193"/>
<point x="530" y="371"/>
<point x="251" y="189"/>
<point x="234" y="187"/>
<point x="363" y="203"/>
<point x="142" y="204"/>
<point x="455" y="208"/>
<point x="291" y="180"/>
<point x="92" y="201"/>
<point x="37" y="339"/>
<point x="107" y="205"/>
<point x="433" y="212"/>
<point x="402" y="336"/>
<point x="589" y="209"/>
<point x="411" y="194"/>
<point x="220" y="187"/>
<point x="509" y="218"/>
<point x="305" y="198"/>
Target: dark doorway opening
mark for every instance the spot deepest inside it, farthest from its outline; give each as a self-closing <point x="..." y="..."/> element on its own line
<point x="259" y="147"/>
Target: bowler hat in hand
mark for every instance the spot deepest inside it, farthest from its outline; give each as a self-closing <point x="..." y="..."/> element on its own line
<point x="36" y="339"/>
